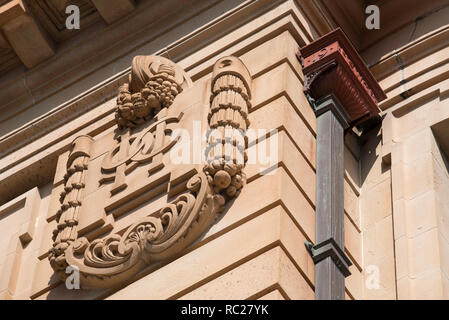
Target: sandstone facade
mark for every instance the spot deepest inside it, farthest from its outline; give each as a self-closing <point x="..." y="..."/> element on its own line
<point x="65" y="115"/>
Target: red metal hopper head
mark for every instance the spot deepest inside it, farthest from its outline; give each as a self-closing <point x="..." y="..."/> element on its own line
<point x="331" y="65"/>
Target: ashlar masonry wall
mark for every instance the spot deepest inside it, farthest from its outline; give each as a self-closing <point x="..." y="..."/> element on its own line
<point x="257" y="249"/>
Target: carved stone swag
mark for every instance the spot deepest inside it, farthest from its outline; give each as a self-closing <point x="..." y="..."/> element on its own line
<point x="154" y="84"/>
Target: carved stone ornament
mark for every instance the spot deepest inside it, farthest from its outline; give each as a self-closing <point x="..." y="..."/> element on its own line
<point x="154" y="83"/>
<point x="144" y="119"/>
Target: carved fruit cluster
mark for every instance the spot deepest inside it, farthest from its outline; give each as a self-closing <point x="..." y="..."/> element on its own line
<point x="162" y="88"/>
<point x="136" y="108"/>
<point x="227" y="178"/>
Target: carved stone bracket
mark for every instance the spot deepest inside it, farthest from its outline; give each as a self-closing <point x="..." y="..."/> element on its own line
<point x="109" y="261"/>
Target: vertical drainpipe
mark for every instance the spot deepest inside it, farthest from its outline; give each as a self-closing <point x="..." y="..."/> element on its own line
<point x="331" y="263"/>
<point x="342" y="93"/>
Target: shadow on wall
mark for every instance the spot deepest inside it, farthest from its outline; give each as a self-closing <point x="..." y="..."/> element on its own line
<point x="370" y="152"/>
<point x="441" y="133"/>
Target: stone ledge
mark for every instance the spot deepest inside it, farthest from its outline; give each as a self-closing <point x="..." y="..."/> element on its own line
<point x="273" y="221"/>
<point x="271" y="269"/>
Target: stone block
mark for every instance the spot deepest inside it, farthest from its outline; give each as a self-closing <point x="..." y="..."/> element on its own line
<point x="112" y="13"/>
<point x="273" y="295"/>
<point x="354" y="283"/>
<point x="418" y="177"/>
<point x="353" y="241"/>
<point x="428" y="286"/>
<point x="283" y="81"/>
<point x="44" y="278"/>
<point x="423" y="254"/>
<point x="351" y="202"/>
<point x="416" y="146"/>
<point x="421" y="214"/>
<point x="399" y="220"/>
<point x="402" y="259"/>
<point x="270" y="269"/>
<point x="47" y="241"/>
<point x="281" y="115"/>
<point x="28" y="40"/>
<point x="376" y="203"/>
<point x="11" y="9"/>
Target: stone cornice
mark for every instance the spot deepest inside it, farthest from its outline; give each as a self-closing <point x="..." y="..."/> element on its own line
<point x="106" y="89"/>
<point x="411" y="52"/>
<point x="317" y="16"/>
<point x="263" y="24"/>
<point x="412" y="68"/>
<point x="51" y="77"/>
<point x="387" y="62"/>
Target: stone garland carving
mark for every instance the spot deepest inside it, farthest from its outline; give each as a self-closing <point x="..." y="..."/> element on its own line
<point x="228" y="119"/>
<point x="109" y="261"/>
<point x="70" y="199"/>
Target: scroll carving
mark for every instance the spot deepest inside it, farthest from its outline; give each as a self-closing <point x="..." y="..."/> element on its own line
<point x="109" y="261"/>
